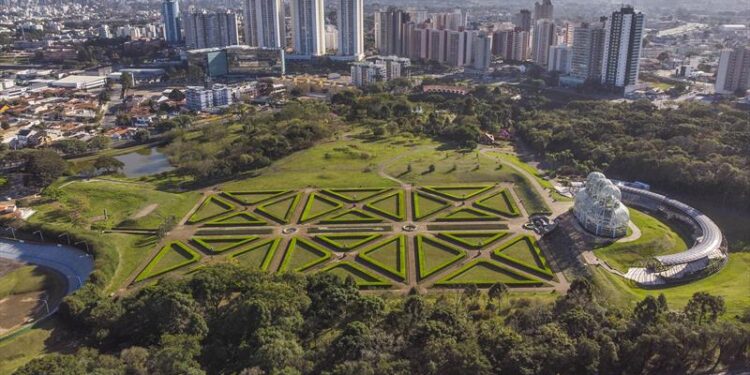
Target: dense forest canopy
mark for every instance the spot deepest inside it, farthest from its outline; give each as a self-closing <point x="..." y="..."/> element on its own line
<point x="229" y="320"/>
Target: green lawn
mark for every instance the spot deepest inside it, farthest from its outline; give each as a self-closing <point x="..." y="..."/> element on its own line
<point x="22" y="348"/>
<point x="132" y="249"/>
<point x="732" y="283"/>
<point x="434" y="255"/>
<point x="21" y="280"/>
<point x="302" y="255"/>
<point x="513" y="159"/>
<point x="282" y="209"/>
<point x="172" y="256"/>
<point x="451" y="167"/>
<point x="388" y="255"/>
<point x="523" y="250"/>
<point x="425" y="205"/>
<point x="317" y="205"/>
<point x="212" y="207"/>
<point x="257" y="256"/>
<point x="657" y="238"/>
<point x="500" y="202"/>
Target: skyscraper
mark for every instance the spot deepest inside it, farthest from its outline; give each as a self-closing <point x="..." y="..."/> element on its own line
<point x="351" y="29"/>
<point x="734" y="71"/>
<point x="264" y="23"/>
<point x="170" y="14"/>
<point x="482" y="52"/>
<point x="544" y="37"/>
<point x="207" y="30"/>
<point x="622" y="49"/>
<point x="308" y="27"/>
<point x="587" y="52"/>
<point x="543" y="10"/>
<point x="389" y="28"/>
<point x="523" y="20"/>
<point x="558" y="59"/>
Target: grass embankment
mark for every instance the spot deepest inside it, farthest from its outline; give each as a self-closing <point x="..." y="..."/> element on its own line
<point x="539" y="175"/>
<point x="21" y="348"/>
<point x="732" y="283"/>
<point x="22" y="280"/>
<point x="657" y="238"/>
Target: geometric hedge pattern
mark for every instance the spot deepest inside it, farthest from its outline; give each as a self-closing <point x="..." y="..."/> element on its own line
<point x="357" y="233"/>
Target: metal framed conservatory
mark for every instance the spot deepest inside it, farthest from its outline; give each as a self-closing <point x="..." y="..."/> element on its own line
<point x="599" y="209"/>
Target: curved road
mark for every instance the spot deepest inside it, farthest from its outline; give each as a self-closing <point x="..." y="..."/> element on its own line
<point x="75" y="265"/>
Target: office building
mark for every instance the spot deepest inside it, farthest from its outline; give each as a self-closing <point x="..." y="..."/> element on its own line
<point x="208" y="30"/>
<point x="544" y="37"/>
<point x="543" y="10"/>
<point x="587" y="52"/>
<point x="264" y="23"/>
<point x="170" y="14"/>
<point x="308" y="28"/>
<point x="482" y="52"/>
<point x="351" y="36"/>
<point x="558" y="59"/>
<point x="734" y="71"/>
<point x="523" y="20"/>
<point x="236" y="63"/>
<point x="389" y="27"/>
<point x="622" y="49"/>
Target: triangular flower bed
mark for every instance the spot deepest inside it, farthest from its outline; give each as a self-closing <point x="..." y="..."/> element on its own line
<point x="501" y="202"/>
<point x="524" y="253"/>
<point x="254" y="197"/>
<point x="280" y="210"/>
<point x="171" y="257"/>
<point x="425" y="205"/>
<point x="353" y="216"/>
<point x="318" y="205"/>
<point x="472" y="240"/>
<point x="467" y="214"/>
<point x="354" y="195"/>
<point x="485" y="273"/>
<point x="392" y="206"/>
<point x="302" y="255"/>
<point x="434" y="255"/>
<point x="211" y="208"/>
<point x="238" y="219"/>
<point x="363" y="277"/>
<point x="346" y="241"/>
<point x="258" y="256"/>
<point x="457" y="193"/>
<point x="218" y="244"/>
<point x="388" y="256"/>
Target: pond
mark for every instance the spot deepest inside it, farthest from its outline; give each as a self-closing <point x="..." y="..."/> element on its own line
<point x="144" y="162"/>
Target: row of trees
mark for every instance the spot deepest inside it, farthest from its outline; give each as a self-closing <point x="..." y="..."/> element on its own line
<point x="229" y="320"/>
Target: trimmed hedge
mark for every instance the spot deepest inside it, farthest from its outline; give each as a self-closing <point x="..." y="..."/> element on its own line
<point x="363" y="218"/>
<point x="172" y="246"/>
<point x="213" y="199"/>
<point x="287" y="217"/>
<point x="400" y="203"/>
<point x="269" y="255"/>
<point x="525" y="282"/>
<point x="445" y="191"/>
<point x="400" y="273"/>
<point x="330" y="240"/>
<point x="376" y="282"/>
<point x="421" y="256"/>
<point x="415" y="205"/>
<point x="509" y="202"/>
<point x="455" y="237"/>
<point x="236" y="195"/>
<point x="325" y="254"/>
<point x="308" y="216"/>
<point x="340" y="193"/>
<point x="222" y="222"/>
<point x="536" y="253"/>
<point x="472" y="214"/>
<point x="205" y="242"/>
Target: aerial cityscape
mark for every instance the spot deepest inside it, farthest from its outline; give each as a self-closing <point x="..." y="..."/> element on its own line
<point x="351" y="187"/>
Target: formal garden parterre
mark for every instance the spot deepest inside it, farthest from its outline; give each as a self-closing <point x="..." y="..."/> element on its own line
<point x="382" y="238"/>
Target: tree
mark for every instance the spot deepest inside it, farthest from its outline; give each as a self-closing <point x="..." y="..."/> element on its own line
<point x="704" y="308"/>
<point x="45" y="166"/>
<point x="100" y="142"/>
<point x="176" y="95"/>
<point x="108" y="163"/>
<point x="126" y="80"/>
<point x="498" y="291"/>
<point x="103" y="96"/>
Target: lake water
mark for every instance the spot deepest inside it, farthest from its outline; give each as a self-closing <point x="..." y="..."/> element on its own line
<point x="144" y="163"/>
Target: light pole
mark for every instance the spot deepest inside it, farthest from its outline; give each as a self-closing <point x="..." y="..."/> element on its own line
<point x="41" y="235"/>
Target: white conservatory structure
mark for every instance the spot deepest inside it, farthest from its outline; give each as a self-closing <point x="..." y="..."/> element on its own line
<point x="599" y="209"/>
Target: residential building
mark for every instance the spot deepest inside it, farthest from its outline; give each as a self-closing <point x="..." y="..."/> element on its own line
<point x="395" y="67"/>
<point x="523" y="20"/>
<point x="559" y="58"/>
<point x="198" y="98"/>
<point x="543" y="10"/>
<point x="587" y="51"/>
<point x="308" y="33"/>
<point x="455" y="20"/>
<point x="264" y="23"/>
<point x="544" y="37"/>
<point x="521" y="50"/>
<point x="437" y="45"/>
<point x="351" y="37"/>
<point x="734" y="71"/>
<point x="208" y="30"/>
<point x="622" y="49"/>
<point x="482" y="52"/>
<point x="104" y="32"/>
<point x="170" y="14"/>
<point x="332" y="39"/>
<point x="389" y="26"/>
<point x="367" y="72"/>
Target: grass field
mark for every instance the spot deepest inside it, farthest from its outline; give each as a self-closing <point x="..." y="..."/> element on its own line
<point x="24" y="279"/>
<point x="516" y="161"/>
<point x="522" y="250"/>
<point x="732" y="283"/>
<point x="487" y="272"/>
<point x="22" y="348"/>
<point x="657" y="238"/>
<point x="132" y="250"/>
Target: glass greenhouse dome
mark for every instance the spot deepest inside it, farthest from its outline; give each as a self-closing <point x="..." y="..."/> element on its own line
<point x="598" y="207"/>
